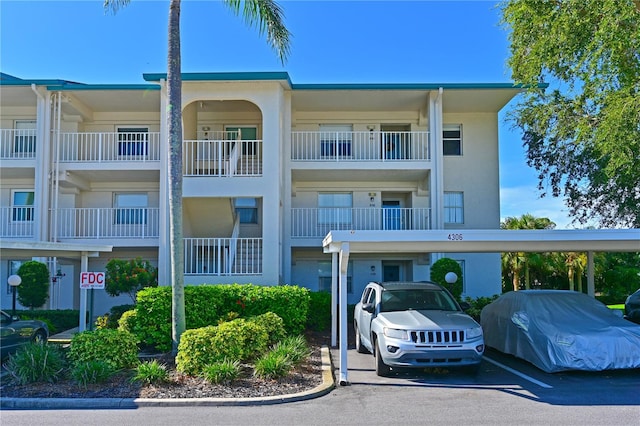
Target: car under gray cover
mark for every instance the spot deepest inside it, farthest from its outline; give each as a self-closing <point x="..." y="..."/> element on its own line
<point x="559" y="330"/>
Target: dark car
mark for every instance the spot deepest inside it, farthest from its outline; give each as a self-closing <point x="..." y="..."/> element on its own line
<point x="558" y="330"/>
<point x="15" y="332"/>
<point x="632" y="307"/>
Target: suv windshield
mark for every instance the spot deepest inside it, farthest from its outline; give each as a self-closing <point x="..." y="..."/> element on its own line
<point x="416" y="299"/>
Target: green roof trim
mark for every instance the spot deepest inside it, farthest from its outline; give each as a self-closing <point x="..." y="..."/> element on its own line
<point x="411" y="86"/>
<point x="222" y="76"/>
<point x="78" y="86"/>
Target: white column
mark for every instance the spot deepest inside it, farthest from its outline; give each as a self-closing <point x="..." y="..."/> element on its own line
<point x="344" y="262"/>
<point x="84" y="266"/>
<point x="334" y="299"/>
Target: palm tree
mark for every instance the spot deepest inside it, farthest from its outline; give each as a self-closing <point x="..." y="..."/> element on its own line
<point x="519" y="262"/>
<point x="268" y="17"/>
<point x="576" y="264"/>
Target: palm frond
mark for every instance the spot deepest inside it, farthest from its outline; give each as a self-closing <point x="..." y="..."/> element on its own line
<point x="114" y="5"/>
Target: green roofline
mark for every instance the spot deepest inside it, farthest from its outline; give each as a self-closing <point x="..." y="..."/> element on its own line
<point x="78" y="86"/>
<point x="221" y="76"/>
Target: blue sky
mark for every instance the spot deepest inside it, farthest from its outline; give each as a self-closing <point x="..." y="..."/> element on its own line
<point x="333" y="42"/>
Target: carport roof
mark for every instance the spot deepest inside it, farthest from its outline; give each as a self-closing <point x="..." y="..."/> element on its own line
<point x="51" y="249"/>
<point x="485" y="241"/>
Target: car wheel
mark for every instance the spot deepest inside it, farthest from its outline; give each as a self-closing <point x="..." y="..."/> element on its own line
<point x="382" y="369"/>
<point x="359" y="348"/>
<point x="39" y="337"/>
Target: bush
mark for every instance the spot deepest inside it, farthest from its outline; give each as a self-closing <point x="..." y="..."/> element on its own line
<point x="94" y="371"/>
<point x="440" y="269"/>
<point x="34" y="289"/>
<point x="273" y="365"/>
<point x="205" y="305"/>
<point x="319" y="316"/>
<point x="116" y="347"/>
<point x="36" y="362"/>
<point x="60" y="320"/>
<point x="274" y="326"/>
<point x="294" y="347"/>
<point x="225" y="371"/>
<point x="112" y="318"/>
<point x="151" y="372"/>
<point x="129" y="277"/>
<point x="478" y="304"/>
<point x="237" y="340"/>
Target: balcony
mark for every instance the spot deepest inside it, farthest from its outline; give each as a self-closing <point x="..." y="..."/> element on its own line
<point x="222" y="158"/>
<point x="360" y="146"/>
<point x="317" y="222"/>
<point x="223" y="256"/>
<point x="17" y="222"/>
<point x="104" y="223"/>
<point x="100" y="147"/>
<point x="17" y="144"/>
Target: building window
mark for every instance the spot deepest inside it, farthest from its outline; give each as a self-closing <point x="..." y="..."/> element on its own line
<point x="452" y="139"/>
<point x="22" y="206"/>
<point x="133" y="141"/>
<point x="131" y="209"/>
<point x="335" y="141"/>
<point x="453" y="207"/>
<point x="24" y="143"/>
<point x="324" y="277"/>
<point x="335" y="208"/>
<point x="247" y="210"/>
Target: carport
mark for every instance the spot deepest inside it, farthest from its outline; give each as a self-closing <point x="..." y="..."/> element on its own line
<point x="342" y="243"/>
<point x="51" y="249"/>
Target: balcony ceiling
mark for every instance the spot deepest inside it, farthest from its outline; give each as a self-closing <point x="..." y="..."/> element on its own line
<point x="342" y="175"/>
<point x="111" y="100"/>
<point x="454" y="100"/>
<point x="17" y="96"/>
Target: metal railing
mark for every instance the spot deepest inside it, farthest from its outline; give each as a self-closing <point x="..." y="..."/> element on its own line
<point x="17" y="144"/>
<point x="317" y="222"/>
<point x="212" y="256"/>
<point x="88" y="223"/>
<point x="222" y="158"/>
<point x="360" y="146"/>
<point x="109" y="146"/>
<point x="17" y="222"/>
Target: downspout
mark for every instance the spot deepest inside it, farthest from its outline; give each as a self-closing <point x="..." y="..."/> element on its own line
<point x="437" y="187"/>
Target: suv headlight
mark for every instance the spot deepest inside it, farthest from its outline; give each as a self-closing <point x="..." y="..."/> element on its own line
<point x="395" y="333"/>
<point x="472" y="333"/>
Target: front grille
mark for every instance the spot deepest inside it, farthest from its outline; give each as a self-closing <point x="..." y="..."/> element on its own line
<point x="437" y="337"/>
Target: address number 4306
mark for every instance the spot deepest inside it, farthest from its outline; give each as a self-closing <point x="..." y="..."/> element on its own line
<point x="455" y="237"/>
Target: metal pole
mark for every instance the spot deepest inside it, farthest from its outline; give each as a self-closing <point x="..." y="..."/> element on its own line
<point x="13" y="313"/>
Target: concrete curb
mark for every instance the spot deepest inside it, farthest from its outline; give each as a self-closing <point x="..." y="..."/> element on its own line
<point x="328" y="384"/>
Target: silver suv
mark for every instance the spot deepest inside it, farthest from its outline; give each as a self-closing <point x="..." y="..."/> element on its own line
<point x="407" y="324"/>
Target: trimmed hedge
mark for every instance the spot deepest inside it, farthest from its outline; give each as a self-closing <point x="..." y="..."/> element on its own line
<point x="319" y="316"/>
<point x="115" y="347"/>
<point x="206" y="304"/>
<point x="60" y="319"/>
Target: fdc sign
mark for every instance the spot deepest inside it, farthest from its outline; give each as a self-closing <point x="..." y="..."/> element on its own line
<point x="92" y="280"/>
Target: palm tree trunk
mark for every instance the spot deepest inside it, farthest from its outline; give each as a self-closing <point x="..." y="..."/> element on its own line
<point x="174" y="95"/>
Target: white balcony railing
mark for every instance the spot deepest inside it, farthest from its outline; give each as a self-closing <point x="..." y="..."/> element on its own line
<point x="317" y="222"/>
<point x="360" y="146"/>
<point x="89" y="223"/>
<point x="212" y="256"/>
<point x="109" y="146"/>
<point x="222" y="158"/>
<point x="17" y="144"/>
<point x="17" y="222"/>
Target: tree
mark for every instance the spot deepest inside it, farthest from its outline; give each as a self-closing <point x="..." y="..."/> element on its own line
<point x="582" y="135"/>
<point x="268" y="17"/>
<point x="520" y="262"/>
<point x="439" y="270"/>
<point x="34" y="289"/>
<point x="129" y="276"/>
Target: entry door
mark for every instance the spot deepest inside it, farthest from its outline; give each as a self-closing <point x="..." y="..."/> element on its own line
<point x="390" y="273"/>
<point x="391" y="215"/>
<point x="244" y="134"/>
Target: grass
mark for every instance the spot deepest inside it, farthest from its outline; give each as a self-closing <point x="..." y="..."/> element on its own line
<point x="619" y="306"/>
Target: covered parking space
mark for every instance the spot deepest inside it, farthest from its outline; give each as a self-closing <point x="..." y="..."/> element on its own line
<point x="13" y="249"/>
<point x="342" y="243"/>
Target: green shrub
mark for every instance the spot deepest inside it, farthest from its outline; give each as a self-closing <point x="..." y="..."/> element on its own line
<point x="112" y="318"/>
<point x="239" y="339"/>
<point x="205" y="305"/>
<point x="34" y="289"/>
<point x="36" y="362"/>
<point x="319" y="315"/>
<point x="273" y="365"/>
<point x="274" y="326"/>
<point x="225" y="371"/>
<point x="94" y="371"/>
<point x="294" y="347"/>
<point x="116" y="347"/>
<point x="441" y="268"/>
<point x="151" y="372"/>
<point x="478" y="304"/>
<point x="129" y="276"/>
<point x="59" y="319"/>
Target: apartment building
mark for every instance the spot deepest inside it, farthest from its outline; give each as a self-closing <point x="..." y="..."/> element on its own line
<point x="270" y="167"/>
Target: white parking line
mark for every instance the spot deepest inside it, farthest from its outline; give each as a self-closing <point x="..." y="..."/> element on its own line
<point x="517" y="373"/>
